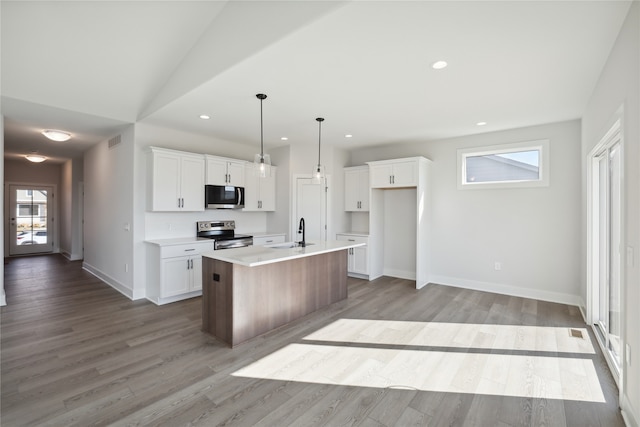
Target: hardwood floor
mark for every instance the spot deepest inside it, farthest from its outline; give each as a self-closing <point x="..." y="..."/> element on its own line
<point x="76" y="352"/>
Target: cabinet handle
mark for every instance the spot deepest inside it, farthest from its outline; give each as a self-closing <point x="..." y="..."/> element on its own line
<point x="189" y="250"/>
<point x="351" y="240"/>
<point x="187" y="264"/>
<point x="192" y="264"/>
<point x="269" y="241"/>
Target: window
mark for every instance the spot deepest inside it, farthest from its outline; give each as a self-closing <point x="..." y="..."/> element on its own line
<point x="28" y="210"/>
<point x="523" y="164"/>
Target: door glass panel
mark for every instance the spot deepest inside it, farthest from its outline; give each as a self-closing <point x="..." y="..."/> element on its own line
<point x="614" y="252"/>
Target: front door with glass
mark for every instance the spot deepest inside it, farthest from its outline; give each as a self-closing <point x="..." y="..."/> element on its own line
<point x="30" y="219"/>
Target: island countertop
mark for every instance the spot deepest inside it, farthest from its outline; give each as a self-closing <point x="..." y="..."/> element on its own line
<point x="253" y="256"/>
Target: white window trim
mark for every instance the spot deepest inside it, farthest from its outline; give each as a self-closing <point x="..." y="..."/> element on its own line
<point x="540" y="145"/>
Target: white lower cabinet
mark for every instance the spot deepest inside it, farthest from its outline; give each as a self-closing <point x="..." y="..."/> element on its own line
<point x="270" y="239"/>
<point x="358" y="260"/>
<point x="175" y="271"/>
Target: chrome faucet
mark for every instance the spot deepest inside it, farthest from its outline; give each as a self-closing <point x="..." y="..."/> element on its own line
<point x="301" y="230"/>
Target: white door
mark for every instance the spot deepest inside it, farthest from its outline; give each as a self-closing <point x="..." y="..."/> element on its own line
<point x="30" y="213"/>
<point x="311" y="204"/>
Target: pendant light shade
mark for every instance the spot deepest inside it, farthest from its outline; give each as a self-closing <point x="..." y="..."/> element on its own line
<point x="262" y="162"/>
<point x="318" y="175"/>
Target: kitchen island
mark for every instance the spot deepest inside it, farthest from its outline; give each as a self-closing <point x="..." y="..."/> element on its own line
<point x="252" y="290"/>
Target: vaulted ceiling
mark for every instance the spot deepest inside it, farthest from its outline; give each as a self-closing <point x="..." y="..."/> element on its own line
<point x="92" y="67"/>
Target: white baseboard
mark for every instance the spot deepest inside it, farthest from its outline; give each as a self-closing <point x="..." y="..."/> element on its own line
<point x="631" y="419"/>
<point x="503" y="289"/>
<point x="108" y="280"/>
<point x="71" y="257"/>
<point x="400" y="274"/>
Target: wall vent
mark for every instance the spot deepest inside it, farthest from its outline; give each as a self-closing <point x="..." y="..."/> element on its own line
<point x="114" y="141"/>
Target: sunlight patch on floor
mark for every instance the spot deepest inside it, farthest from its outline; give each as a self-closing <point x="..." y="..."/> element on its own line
<point x="437" y="371"/>
<point x="455" y="335"/>
<point x="440" y="357"/>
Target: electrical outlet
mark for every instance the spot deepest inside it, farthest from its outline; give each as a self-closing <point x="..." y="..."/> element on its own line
<point x="497" y="266"/>
<point x="126" y="268"/>
<point x="628" y="349"/>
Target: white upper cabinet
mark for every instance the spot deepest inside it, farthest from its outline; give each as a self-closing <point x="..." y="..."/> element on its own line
<point x="356" y="192"/>
<point x="176" y="179"/>
<point x="394" y="173"/>
<point x="259" y="193"/>
<point x="223" y="171"/>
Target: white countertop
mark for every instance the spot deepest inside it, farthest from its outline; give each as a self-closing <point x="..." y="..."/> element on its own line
<point x="253" y="256"/>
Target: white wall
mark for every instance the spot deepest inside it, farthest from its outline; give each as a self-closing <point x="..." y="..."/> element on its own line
<point x="619" y="85"/>
<point x="70" y="209"/>
<point x="533" y="232"/>
<point x="108" y="209"/>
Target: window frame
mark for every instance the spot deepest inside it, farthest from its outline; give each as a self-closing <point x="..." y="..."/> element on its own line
<point x="542" y="146"/>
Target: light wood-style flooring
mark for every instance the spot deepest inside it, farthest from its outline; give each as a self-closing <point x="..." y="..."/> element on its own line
<point x="76" y="352"/>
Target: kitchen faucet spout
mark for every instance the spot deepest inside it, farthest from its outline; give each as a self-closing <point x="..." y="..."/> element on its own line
<point x="301" y="228"/>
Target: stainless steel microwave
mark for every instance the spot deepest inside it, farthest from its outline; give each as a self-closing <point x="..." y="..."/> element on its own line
<point x="223" y="197"/>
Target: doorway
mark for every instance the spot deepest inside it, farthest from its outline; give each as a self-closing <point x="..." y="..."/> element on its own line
<point x="605" y="236"/>
<point x="30" y="213"/>
<point x="311" y="204"/>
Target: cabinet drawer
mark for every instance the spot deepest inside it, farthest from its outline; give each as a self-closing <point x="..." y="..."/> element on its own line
<point x="352" y="238"/>
<point x="185" y="250"/>
<point x="268" y="240"/>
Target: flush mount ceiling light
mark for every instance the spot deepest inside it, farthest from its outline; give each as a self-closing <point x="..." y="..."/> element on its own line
<point x="204" y="116"/>
<point x="439" y="65"/>
<point x="262" y="161"/>
<point x="284" y="138"/>
<point x="481" y="123"/>
<point x="35" y="158"/>
<point x="348" y="135"/>
<point x="318" y="170"/>
<point x="56" y="135"/>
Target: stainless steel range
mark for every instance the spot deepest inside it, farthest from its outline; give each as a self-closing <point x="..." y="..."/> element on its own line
<point x="223" y="232"/>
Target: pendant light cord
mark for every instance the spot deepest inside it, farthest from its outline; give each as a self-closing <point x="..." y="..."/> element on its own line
<point x="261" y="97"/>
<point x="320" y="120"/>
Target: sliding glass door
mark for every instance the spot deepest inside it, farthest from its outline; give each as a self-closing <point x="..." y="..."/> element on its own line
<point x="607" y="245"/>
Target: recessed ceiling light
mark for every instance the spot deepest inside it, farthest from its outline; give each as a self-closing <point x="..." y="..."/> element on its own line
<point x="284" y="138"/>
<point x="35" y="158"/>
<point x="204" y="117"/>
<point x="439" y="65"/>
<point x="348" y="135"/>
<point x="56" y="135"/>
<point x="481" y="123"/>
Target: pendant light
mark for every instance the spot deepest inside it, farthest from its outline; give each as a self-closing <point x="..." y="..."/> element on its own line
<point x="262" y="162"/>
<point x="318" y="170"/>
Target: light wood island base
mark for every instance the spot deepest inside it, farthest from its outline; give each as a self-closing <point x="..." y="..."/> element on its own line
<point x="240" y="302"/>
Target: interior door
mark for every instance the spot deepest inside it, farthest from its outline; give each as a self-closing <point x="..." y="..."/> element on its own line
<point x="30" y="213"/>
<point x="311" y="204"/>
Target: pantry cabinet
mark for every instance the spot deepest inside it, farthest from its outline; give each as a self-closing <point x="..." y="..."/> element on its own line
<point x="259" y="193"/>
<point x="356" y="192"/>
<point x="224" y="171"/>
<point x="176" y="181"/>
